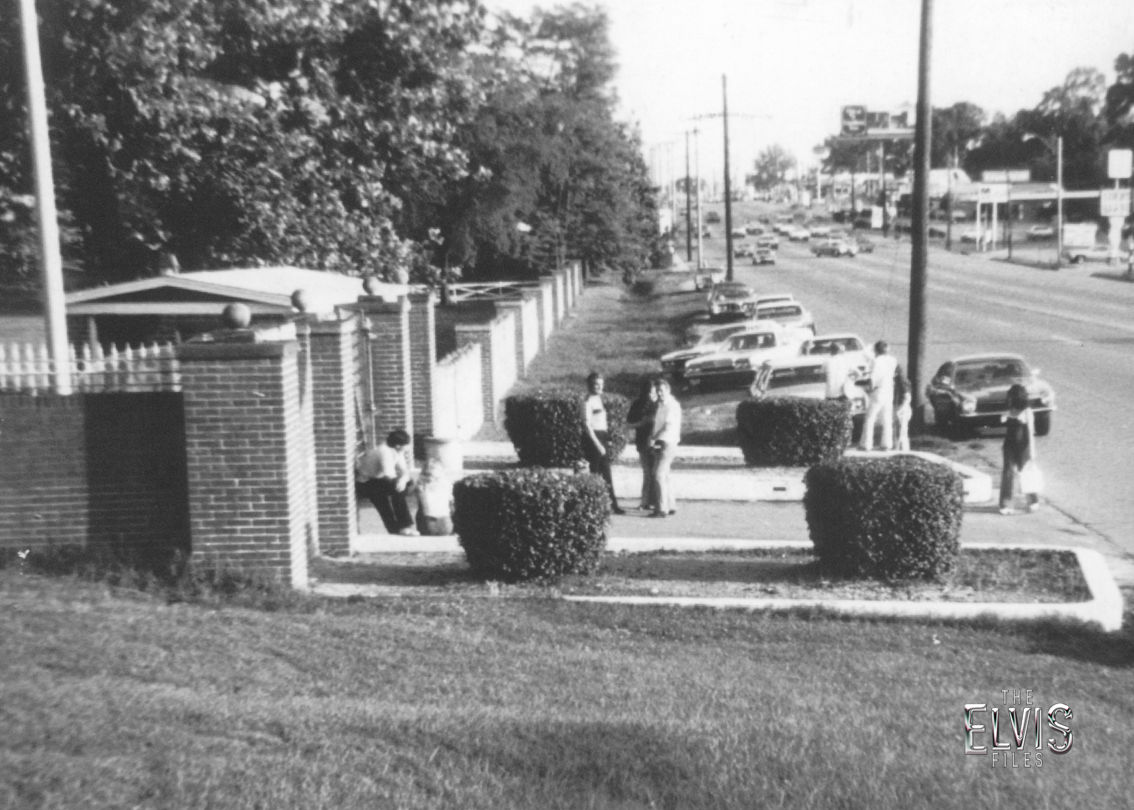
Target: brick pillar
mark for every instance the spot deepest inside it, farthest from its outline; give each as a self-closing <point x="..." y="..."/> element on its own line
<point x="517" y="308"/>
<point x="335" y="430"/>
<point x="481" y="334"/>
<point x="387" y="335"/>
<point x="423" y="359"/>
<point x="547" y="320"/>
<point x="245" y="456"/>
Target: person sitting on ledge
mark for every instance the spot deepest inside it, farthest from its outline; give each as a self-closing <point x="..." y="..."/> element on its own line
<point x="382" y="476"/>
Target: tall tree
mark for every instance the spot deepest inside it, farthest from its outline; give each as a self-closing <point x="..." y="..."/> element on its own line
<point x="772" y="166"/>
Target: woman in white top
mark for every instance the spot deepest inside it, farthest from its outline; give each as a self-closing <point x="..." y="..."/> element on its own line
<point x="596" y="436"/>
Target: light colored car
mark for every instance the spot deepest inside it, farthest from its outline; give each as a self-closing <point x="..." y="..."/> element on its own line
<point x="797" y="233"/>
<point x="853" y="348"/>
<point x="673" y="363"/>
<point x="806" y="377"/>
<point x="768" y="240"/>
<point x="972" y="391"/>
<point x="738" y="233"/>
<point x="753" y="228"/>
<point x="742" y="250"/>
<point x="835" y="247"/>
<point x="1037" y="232"/>
<point x="763" y="255"/>
<point x="1077" y="254"/>
<point x="818" y="231"/>
<point x="706" y="277"/>
<point x="731" y="299"/>
<point x="736" y="361"/>
<point x="791" y="315"/>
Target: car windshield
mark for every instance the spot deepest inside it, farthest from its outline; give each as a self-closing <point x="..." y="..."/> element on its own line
<point x="797" y="375"/>
<point x="776" y="313"/>
<point x="823" y="346"/>
<point x="759" y="340"/>
<point x="990" y="372"/>
<point x="717" y="335"/>
<point x="734" y="292"/>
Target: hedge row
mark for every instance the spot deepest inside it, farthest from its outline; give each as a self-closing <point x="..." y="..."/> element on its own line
<point x="546" y="425"/>
<point x="792" y="431"/>
<point x="892" y="518"/>
<point x="531" y="523"/>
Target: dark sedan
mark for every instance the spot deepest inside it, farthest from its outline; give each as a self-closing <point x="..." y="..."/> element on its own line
<point x="972" y="391"/>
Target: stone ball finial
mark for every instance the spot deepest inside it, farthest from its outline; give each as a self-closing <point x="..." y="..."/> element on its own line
<point x="237" y="316"/>
<point x="401" y="275"/>
<point x="301" y="300"/>
<point x="371" y="285"/>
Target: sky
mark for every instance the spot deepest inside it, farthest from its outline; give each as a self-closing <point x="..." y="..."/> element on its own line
<point x="791" y="65"/>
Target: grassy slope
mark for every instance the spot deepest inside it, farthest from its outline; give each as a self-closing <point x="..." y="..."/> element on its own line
<point x="114" y="701"/>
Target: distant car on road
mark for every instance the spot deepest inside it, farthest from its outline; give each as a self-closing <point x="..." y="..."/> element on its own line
<point x="712" y="217"/>
<point x="1037" y="232"/>
<point x="768" y="240"/>
<point x="797" y="233"/>
<point x="763" y="255"/>
<point x="818" y="231"/>
<point x="835" y="247"/>
<point x="865" y="245"/>
<point x="742" y="250"/>
<point x="706" y="277"/>
<point x="1077" y="254"/>
<point x="791" y="315"/>
<point x="972" y="391"/>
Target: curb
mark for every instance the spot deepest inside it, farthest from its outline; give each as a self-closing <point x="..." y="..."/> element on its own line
<point x="1104" y="608"/>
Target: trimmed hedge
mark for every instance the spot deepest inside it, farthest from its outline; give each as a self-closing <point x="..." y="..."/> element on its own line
<point x="890" y="518"/>
<point x="546" y="425"/>
<point x="792" y="431"/>
<point x="531" y="523"/>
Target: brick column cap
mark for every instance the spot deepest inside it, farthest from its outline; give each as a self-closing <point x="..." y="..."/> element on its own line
<point x="188" y="352"/>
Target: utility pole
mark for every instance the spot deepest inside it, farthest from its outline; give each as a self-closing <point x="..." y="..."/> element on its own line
<point x="697" y="191"/>
<point x="919" y="231"/>
<point x="688" y="206"/>
<point x="51" y="261"/>
<point x="727" y="183"/>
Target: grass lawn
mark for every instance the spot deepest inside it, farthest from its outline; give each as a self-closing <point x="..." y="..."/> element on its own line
<point x="116" y="699"/>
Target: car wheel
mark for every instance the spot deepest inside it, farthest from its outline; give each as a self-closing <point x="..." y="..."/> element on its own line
<point x="1043" y="423"/>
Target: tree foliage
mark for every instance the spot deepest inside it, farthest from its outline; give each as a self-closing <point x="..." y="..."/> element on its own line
<point x="356" y="136"/>
<point x="772" y="167"/>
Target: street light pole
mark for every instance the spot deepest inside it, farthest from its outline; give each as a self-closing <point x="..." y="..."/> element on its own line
<point x="1058" y="201"/>
<point x="727" y="184"/>
<point x="919" y="232"/>
<point x="688" y="206"/>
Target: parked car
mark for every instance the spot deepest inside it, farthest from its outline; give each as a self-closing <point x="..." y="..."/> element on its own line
<point x="791" y="315"/>
<point x="738" y="233"/>
<point x="835" y="247"/>
<point x="768" y="240"/>
<point x="742" y="250"/>
<point x="753" y="229"/>
<point x="805" y="377"/>
<point x="763" y="255"/>
<point x="731" y="299"/>
<point x="972" y="391"/>
<point x="852" y="344"/>
<point x="706" y="233"/>
<point x="706" y="277"/>
<point x="817" y="231"/>
<point x="1037" y="232"/>
<point x="673" y="363"/>
<point x="736" y="361"/>
<point x="797" y="233"/>
<point x="1077" y="254"/>
<point x="865" y="245"/>
<point x="712" y="217"/>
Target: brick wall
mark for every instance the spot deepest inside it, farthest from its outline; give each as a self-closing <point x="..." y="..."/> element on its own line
<point x="333" y="363"/>
<point x="247" y="457"/>
<point x="547" y="322"/>
<point x="92" y="468"/>
<point x="527" y="329"/>
<point x="458" y="404"/>
<point x="498" y="359"/>
<point x="423" y="359"/>
<point x="389" y="356"/>
<point x="560" y="294"/>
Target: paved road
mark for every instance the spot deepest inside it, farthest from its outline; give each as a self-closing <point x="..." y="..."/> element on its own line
<point x="1075" y="324"/>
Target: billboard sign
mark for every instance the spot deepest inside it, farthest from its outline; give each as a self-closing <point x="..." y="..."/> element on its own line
<point x="1114" y="202"/>
<point x="1118" y="163"/>
<point x="854" y="120"/>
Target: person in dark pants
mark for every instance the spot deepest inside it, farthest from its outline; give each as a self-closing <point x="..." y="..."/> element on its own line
<point x="596" y="436"/>
<point x="641" y="416"/>
<point x="1019" y="453"/>
<point x="382" y="477"/>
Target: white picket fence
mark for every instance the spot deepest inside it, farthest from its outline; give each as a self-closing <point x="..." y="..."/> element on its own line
<point x="27" y="368"/>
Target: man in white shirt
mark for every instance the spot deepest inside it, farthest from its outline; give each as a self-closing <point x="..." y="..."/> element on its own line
<point x="881" y="407"/>
<point x="382" y="476"/>
<point x="664" y="440"/>
<point x="838" y="372"/>
<point x="596" y="436"/>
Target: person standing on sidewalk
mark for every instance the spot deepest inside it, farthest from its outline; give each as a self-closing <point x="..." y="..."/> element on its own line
<point x="641" y="416"/>
<point x="1019" y="453"/>
<point x="839" y="372"/>
<point x="664" y="440"/>
<point x="382" y="477"/>
<point x="903" y="409"/>
<point x="596" y="436"/>
<point x="881" y="407"/>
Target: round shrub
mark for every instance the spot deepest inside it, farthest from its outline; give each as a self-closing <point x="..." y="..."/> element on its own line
<point x="546" y="425"/>
<point x="792" y="431"/>
<point x="531" y="523"/>
<point x="890" y="518"/>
